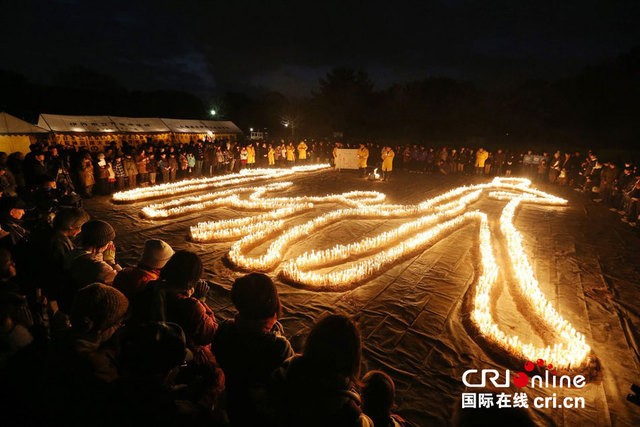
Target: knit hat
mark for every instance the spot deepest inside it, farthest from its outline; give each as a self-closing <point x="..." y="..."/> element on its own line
<point x="255" y="296"/>
<point x="97" y="233"/>
<point x="99" y="304"/>
<point x="156" y="253"/>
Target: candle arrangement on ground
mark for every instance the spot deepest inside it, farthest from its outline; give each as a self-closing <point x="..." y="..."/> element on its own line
<point x="202" y="184"/>
<point x="359" y="261"/>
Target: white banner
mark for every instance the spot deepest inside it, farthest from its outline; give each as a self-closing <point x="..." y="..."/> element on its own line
<point x="347" y="159"/>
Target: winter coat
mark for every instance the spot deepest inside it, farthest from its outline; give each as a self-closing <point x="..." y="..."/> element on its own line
<point x="481" y="158"/>
<point x="133" y="280"/>
<point x="248" y="358"/>
<point x="251" y="155"/>
<point x="84" y="268"/>
<point x="118" y="168"/>
<point x="363" y="155"/>
<point x="387" y="160"/>
<point x="86" y="173"/>
<point x="291" y="155"/>
<point x="308" y="397"/>
<point x="141" y="164"/>
<point x="161" y="302"/>
<point x="130" y="167"/>
<point x="302" y="151"/>
<point x="191" y="160"/>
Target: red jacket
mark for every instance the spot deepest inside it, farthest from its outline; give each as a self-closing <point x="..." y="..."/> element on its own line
<point x="133" y="280"/>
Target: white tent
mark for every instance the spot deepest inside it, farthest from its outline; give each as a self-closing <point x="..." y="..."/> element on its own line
<point x="84" y="124"/>
<point x="224" y="127"/>
<point x="16" y="134"/>
<point x="139" y="124"/>
<point x="185" y="126"/>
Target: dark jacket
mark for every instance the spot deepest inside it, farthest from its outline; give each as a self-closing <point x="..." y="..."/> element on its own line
<point x="248" y="359"/>
<point x="310" y="397"/>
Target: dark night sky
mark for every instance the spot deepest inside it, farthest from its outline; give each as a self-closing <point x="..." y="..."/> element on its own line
<point x="212" y="46"/>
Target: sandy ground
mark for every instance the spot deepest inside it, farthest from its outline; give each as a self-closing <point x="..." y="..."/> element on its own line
<point x="411" y="316"/>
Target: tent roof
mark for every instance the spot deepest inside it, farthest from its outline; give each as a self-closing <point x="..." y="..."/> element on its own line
<point x="221" y="126"/>
<point x="11" y="125"/>
<point x="139" y="124"/>
<point x="91" y="124"/>
<point x="185" y="126"/>
<point x="116" y="124"/>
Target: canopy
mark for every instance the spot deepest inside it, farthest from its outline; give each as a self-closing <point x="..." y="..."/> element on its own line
<point x="221" y="126"/>
<point x="11" y="125"/>
<point x="116" y="124"/>
<point x="186" y="126"/>
<point x="86" y="124"/>
<point x="139" y="124"/>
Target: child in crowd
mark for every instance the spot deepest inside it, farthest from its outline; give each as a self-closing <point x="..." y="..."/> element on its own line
<point x="250" y="347"/>
<point x="378" y="398"/>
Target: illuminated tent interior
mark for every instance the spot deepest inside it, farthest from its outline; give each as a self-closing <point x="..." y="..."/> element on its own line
<point x="17" y="135"/>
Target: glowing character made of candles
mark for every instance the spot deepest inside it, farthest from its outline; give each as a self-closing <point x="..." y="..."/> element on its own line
<point x="359" y="261"/>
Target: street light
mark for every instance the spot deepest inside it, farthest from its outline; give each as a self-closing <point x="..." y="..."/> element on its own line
<point x="286" y="124"/>
<point x="213" y="112"/>
<point x="250" y="129"/>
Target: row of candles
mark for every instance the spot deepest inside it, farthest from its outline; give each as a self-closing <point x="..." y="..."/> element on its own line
<point x="202" y="184"/>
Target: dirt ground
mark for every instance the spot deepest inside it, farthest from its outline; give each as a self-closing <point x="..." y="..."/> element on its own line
<point x="411" y="316"/>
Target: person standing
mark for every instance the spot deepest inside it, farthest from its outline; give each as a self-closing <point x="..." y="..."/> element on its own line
<point x="387" y="162"/>
<point x="121" y="174"/>
<point x="131" y="170"/>
<point x="102" y="175"/>
<point x="271" y="155"/>
<point x="152" y="168"/>
<point x="251" y="156"/>
<point x="291" y="154"/>
<point x="363" y="155"/>
<point x="302" y="152"/>
<point x="199" y="158"/>
<point x="141" y="165"/>
<point x="86" y="175"/>
<point x="481" y="158"/>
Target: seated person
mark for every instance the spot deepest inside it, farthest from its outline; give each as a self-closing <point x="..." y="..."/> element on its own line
<point x="250" y="347"/>
<point x="317" y="388"/>
<point x="12" y="210"/>
<point x="178" y="297"/>
<point x="147" y="393"/>
<point x="52" y="245"/>
<point x="132" y="280"/>
<point x="378" y="398"/>
<point x="83" y="363"/>
<point x="93" y="261"/>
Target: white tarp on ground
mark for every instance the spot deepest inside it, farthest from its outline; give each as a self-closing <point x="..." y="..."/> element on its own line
<point x="412" y="315"/>
<point x="11" y="125"/>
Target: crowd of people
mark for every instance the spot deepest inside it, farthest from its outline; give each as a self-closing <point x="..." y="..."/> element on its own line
<point x="84" y="341"/>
